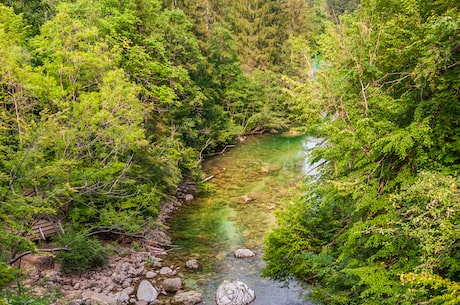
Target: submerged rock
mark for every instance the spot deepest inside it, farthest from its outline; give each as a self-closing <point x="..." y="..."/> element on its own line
<point x="192" y="264"/>
<point x="244" y="253"/>
<point x="234" y="293"/>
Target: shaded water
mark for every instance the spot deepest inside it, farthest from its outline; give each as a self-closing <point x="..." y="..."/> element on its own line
<point x="250" y="181"/>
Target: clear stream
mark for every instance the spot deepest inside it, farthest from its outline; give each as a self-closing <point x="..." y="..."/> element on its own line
<point x="251" y="181"/>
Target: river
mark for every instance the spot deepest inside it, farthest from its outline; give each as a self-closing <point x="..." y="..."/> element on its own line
<point x="250" y="182"/>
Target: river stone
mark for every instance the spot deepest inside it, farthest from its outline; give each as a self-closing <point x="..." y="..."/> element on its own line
<point x="172" y="285"/>
<point x="166" y="271"/>
<point x="270" y="167"/>
<point x="121" y="297"/>
<point x="245" y="199"/>
<point x="234" y="293"/>
<point x="192" y="264"/>
<point x="150" y="274"/>
<point x="243" y="253"/>
<point x="93" y="297"/>
<point x="187" y="298"/>
<point x="146" y="292"/>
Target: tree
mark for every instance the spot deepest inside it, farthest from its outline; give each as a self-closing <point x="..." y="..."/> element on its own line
<point x="375" y="227"/>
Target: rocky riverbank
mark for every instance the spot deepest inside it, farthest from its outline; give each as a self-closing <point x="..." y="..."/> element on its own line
<point x="132" y="276"/>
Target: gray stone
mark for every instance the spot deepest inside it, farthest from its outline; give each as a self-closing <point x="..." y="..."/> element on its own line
<point x="187" y="298"/>
<point x="192" y="264"/>
<point x="127" y="283"/>
<point x="121" y="297"/>
<point x="128" y="290"/>
<point x="172" y="285"/>
<point x="92" y="297"/>
<point x="146" y="292"/>
<point x="166" y="271"/>
<point x="234" y="293"/>
<point x="188" y="197"/>
<point x="150" y="274"/>
<point x="243" y="253"/>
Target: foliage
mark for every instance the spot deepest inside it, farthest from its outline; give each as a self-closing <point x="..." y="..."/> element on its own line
<point x="84" y="253"/>
<point x="379" y="225"/>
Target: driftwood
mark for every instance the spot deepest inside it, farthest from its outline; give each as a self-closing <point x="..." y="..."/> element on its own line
<point x="212" y="176"/>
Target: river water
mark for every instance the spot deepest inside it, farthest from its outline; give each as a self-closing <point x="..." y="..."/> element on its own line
<point x="250" y="182"/>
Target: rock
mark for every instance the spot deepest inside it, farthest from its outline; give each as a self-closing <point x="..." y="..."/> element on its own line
<point x="117" y="278"/>
<point x="126" y="283"/>
<point x="121" y="297"/>
<point x="77" y="286"/>
<point x="108" y="289"/>
<point x="128" y="290"/>
<point x="92" y="297"/>
<point x="245" y="199"/>
<point x="166" y="271"/>
<point x="243" y="253"/>
<point x="187" y="298"/>
<point x="270" y="167"/>
<point x="192" y="264"/>
<point x="188" y="197"/>
<point x="172" y="285"/>
<point x="234" y="293"/>
<point x="150" y="274"/>
<point x="146" y="292"/>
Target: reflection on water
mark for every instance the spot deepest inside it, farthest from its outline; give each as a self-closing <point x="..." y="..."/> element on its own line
<point x="252" y="180"/>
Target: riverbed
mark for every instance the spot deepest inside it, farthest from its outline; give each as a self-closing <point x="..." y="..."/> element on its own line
<point x="236" y="211"/>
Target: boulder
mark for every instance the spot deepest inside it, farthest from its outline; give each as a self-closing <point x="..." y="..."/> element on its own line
<point x="172" y="285"/>
<point x="192" y="264"/>
<point x="234" y="293"/>
<point x="146" y="292"/>
<point x="243" y="253"/>
<point x="187" y="298"/>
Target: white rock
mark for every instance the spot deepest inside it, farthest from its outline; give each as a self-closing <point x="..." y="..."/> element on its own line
<point x="187" y="298"/>
<point x="192" y="264"/>
<point x="234" y="293"/>
<point x="166" y="270"/>
<point x="146" y="292"/>
<point x="243" y="253"/>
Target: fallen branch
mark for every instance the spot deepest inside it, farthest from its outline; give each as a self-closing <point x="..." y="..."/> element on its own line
<point x="212" y="176"/>
<point x="12" y="261"/>
<point x="220" y="152"/>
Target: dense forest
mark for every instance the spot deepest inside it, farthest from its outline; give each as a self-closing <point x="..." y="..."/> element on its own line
<point x="107" y="106"/>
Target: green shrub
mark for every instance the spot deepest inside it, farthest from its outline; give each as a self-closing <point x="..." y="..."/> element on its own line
<point x="85" y="253"/>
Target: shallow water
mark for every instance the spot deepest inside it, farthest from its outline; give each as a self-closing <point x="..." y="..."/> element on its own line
<point x="250" y="182"/>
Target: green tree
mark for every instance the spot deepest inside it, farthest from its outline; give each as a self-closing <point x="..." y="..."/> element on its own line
<point x="375" y="227"/>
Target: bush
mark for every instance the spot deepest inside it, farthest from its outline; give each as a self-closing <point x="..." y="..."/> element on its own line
<point x="85" y="253"/>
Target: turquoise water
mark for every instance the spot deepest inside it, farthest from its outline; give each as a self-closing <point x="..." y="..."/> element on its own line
<point x="251" y="181"/>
